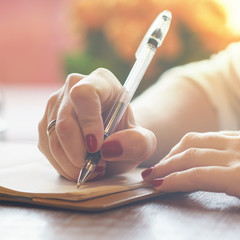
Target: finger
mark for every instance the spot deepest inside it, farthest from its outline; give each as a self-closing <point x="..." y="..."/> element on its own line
<point x="212" y="179"/>
<point x="68" y="137"/>
<point x="134" y="144"/>
<point x="90" y="98"/>
<point x="43" y="146"/>
<point x="231" y="133"/>
<point x="126" y="149"/>
<point x="49" y="114"/>
<point x="43" y="139"/>
<point x="200" y="140"/>
<point x="54" y="103"/>
<point x="69" y="134"/>
<point x="191" y="158"/>
<point x="61" y="158"/>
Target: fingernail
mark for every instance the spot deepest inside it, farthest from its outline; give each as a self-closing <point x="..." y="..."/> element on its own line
<point x="157" y="182"/>
<point x="99" y="169"/>
<point x="111" y="149"/>
<point x="91" y="143"/>
<point x="146" y="172"/>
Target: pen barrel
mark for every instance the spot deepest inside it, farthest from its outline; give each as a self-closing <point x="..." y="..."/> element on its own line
<point x="129" y="88"/>
<point x="116" y="112"/>
<point x="139" y="68"/>
<point x="94" y="158"/>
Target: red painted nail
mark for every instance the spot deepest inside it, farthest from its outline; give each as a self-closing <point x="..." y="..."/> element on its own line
<point x="91" y="143"/>
<point x="111" y="149"/>
<point x="157" y="182"/>
<point x="146" y="172"/>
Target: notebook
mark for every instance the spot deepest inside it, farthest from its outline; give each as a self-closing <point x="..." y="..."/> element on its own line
<point x="27" y="176"/>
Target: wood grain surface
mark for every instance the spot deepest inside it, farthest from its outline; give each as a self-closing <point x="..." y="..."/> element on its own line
<point x="198" y="215"/>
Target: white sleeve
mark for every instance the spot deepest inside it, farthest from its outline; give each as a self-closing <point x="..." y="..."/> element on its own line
<point x="219" y="77"/>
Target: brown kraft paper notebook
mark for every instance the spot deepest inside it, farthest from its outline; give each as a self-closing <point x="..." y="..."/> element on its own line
<point x="26" y="176"/>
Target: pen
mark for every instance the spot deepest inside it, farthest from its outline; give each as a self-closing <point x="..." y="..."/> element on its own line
<point x="144" y="54"/>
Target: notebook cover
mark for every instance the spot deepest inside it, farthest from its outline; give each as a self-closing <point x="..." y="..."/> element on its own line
<point x="20" y="156"/>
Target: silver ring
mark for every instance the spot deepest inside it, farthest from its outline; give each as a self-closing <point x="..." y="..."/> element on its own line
<point x="51" y="127"/>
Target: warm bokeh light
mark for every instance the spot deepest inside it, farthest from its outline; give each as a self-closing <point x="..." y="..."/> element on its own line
<point x="233" y="17"/>
<point x="37" y="37"/>
<point x="111" y="31"/>
<point x="124" y="22"/>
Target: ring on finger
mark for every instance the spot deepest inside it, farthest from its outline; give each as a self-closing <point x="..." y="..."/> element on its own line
<point x="51" y="127"/>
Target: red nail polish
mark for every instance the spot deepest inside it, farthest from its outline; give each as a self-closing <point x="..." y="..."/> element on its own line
<point x="91" y="143"/>
<point x="111" y="149"/>
<point x="146" y="172"/>
<point x="157" y="182"/>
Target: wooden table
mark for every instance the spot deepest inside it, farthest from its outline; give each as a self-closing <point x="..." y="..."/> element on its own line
<point x="197" y="215"/>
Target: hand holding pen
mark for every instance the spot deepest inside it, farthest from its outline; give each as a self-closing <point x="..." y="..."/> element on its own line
<point x="152" y="40"/>
<point x="75" y="116"/>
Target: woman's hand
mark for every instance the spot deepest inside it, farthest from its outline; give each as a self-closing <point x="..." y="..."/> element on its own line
<point x="200" y="161"/>
<point x="80" y="108"/>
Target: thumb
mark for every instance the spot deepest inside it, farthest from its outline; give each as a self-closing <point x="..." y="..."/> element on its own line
<point x="130" y="145"/>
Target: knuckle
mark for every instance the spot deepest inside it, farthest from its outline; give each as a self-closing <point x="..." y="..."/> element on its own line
<point x="72" y="79"/>
<point x="82" y="91"/>
<point x="62" y="127"/>
<point x="190" y="153"/>
<point x="189" y="138"/>
<point x="89" y="122"/>
<point x="173" y="150"/>
<point x="108" y="76"/>
<point x="103" y="72"/>
<point x="53" y="103"/>
<point x="52" y="99"/>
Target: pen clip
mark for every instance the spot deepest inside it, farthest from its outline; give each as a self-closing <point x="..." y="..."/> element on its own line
<point x="157" y="31"/>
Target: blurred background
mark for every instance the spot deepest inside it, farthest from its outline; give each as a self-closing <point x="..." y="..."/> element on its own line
<point x="43" y="41"/>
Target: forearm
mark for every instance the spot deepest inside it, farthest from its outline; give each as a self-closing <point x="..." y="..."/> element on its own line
<point x="172" y="109"/>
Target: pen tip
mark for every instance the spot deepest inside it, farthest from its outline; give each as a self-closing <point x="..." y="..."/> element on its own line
<point x="78" y="185"/>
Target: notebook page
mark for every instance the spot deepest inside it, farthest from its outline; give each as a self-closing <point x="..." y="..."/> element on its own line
<point x="25" y="172"/>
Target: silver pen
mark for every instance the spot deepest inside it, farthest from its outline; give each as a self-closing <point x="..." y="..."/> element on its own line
<point x="144" y="54"/>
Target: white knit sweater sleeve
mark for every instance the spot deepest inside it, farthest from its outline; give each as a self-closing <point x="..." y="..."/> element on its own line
<point x="219" y="77"/>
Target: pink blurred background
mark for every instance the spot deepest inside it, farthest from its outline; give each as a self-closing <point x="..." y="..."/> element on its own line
<point x="34" y="37"/>
<point x="37" y="35"/>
